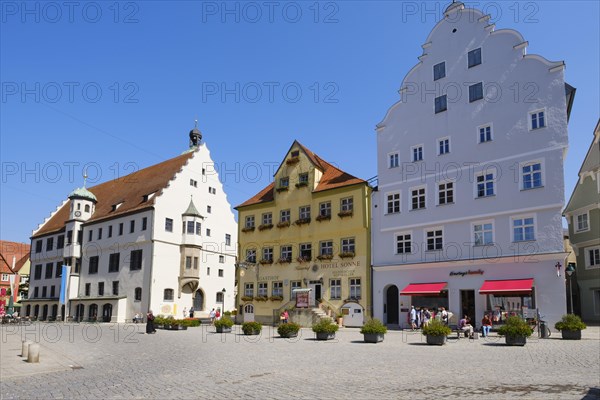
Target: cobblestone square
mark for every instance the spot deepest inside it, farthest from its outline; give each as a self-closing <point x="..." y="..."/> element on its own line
<point x="118" y="361"/>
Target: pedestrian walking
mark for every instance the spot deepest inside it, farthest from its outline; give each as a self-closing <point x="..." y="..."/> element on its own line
<point x="212" y="315"/>
<point x="150" y="322"/>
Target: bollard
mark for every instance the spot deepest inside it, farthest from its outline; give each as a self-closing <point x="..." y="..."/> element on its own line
<point x="25" y="348"/>
<point x="33" y="355"/>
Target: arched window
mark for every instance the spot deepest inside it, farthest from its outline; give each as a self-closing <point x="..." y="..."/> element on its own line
<point x="87" y="208"/>
<point x="138" y="294"/>
<point x="168" y="295"/>
<point x="28" y="312"/>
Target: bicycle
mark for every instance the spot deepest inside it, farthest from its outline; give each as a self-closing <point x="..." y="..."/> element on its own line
<point x="537" y="325"/>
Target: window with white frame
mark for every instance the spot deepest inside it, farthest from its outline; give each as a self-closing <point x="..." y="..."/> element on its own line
<point x="403" y="243"/>
<point x="596" y="301"/>
<point x="582" y="223"/>
<point x="267" y="253"/>
<point x="417" y="153"/>
<point x="221" y="259"/>
<point x="262" y="289"/>
<point x="434" y="239"/>
<point x="417" y="198"/>
<point x="523" y="229"/>
<point x="305" y="212"/>
<point x="393" y="203"/>
<point x="5" y="278"/>
<point x="284" y="216"/>
<point x="393" y="160"/>
<point x="227" y="239"/>
<point x="476" y="92"/>
<point x="277" y="289"/>
<point x="485" y="184"/>
<point x="537" y="119"/>
<point x="249" y="221"/>
<point x="485" y="133"/>
<point x="326" y="248"/>
<point x="355" y="292"/>
<point x="348" y="245"/>
<point x="443" y="146"/>
<point x="249" y="289"/>
<point x="531" y="174"/>
<point x="325" y="209"/>
<point x="306" y="251"/>
<point x="347" y="204"/>
<point x="439" y="71"/>
<point x="592" y="257"/>
<point x="303" y="178"/>
<point x="335" y="289"/>
<point x="294" y="285"/>
<point x="483" y="233"/>
<point x="446" y="193"/>
<point x="251" y="255"/>
<point x="286" y="252"/>
<point x="284" y="182"/>
<point x="267" y="218"/>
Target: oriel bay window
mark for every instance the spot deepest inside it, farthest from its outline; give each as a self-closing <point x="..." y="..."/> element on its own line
<point x="335" y="289"/>
<point x="188" y="262"/>
<point x="355" y="289"/>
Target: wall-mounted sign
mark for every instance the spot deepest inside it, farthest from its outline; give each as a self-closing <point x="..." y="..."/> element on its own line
<point x="302" y="299"/>
<point x="464" y="273"/>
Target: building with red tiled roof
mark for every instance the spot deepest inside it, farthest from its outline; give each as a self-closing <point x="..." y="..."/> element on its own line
<point x="138" y="243"/>
<point x="306" y="234"/>
<point x="14" y="261"/>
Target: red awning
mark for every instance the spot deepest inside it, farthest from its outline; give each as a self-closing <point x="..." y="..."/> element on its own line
<point x="423" y="289"/>
<point x="514" y="286"/>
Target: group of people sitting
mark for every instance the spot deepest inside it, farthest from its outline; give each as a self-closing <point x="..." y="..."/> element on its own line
<point x="465" y="325"/>
<point x="420" y="317"/>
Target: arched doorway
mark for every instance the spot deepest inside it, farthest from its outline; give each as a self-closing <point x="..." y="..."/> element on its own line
<point x="45" y="312"/>
<point x="79" y="312"/>
<point x="28" y="310"/>
<point x="62" y="312"/>
<point x="93" y="311"/>
<point x="199" y="300"/>
<point x="390" y="308"/>
<point x="248" y="313"/>
<point x="107" y="312"/>
<point x="54" y="311"/>
<point x="36" y="311"/>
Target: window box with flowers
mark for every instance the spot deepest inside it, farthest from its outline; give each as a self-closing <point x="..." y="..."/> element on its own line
<point x="325" y="217"/>
<point x="247" y="298"/>
<point x="283" y="224"/>
<point x="325" y="257"/>
<point x="292" y="160"/>
<point x="266" y="261"/>
<point x="264" y="227"/>
<point x="248" y="229"/>
<point x="276" y="298"/>
<point x="261" y="298"/>
<point x="345" y="213"/>
<point x="284" y="260"/>
<point x="303" y="259"/>
<point x="282" y="189"/>
<point x="302" y="221"/>
<point x="301" y="184"/>
<point x="347" y="254"/>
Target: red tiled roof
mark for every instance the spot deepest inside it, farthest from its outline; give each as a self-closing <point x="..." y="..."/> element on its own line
<point x="332" y="178"/>
<point x="128" y="190"/>
<point x="8" y="250"/>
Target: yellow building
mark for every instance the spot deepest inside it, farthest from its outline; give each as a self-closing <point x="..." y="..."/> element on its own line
<point x="306" y="236"/>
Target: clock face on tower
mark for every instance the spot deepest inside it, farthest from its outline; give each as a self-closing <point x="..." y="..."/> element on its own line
<point x="78" y="213"/>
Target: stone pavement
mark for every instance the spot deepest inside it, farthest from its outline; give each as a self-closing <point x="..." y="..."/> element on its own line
<point x="118" y="361"/>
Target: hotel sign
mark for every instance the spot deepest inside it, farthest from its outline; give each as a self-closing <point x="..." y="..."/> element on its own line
<point x="464" y="273"/>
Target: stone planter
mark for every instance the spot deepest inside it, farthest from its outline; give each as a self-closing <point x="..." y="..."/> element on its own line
<point x="289" y="335"/>
<point x="175" y="327"/>
<point x="571" y="335"/>
<point x="340" y="321"/>
<point x="252" y="333"/>
<point x="373" y="337"/>
<point x="436" y="340"/>
<point x="325" y="336"/>
<point x="223" y="329"/>
<point x="516" y="340"/>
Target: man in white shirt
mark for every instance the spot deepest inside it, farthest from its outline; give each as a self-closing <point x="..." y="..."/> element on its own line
<point x="413" y="318"/>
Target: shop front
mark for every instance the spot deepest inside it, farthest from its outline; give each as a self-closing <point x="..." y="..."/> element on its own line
<point x="499" y="289"/>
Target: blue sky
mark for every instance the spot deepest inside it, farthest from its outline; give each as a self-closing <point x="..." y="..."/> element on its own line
<point x="117" y="86"/>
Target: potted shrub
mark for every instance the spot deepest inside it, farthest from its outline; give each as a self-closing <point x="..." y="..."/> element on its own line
<point x="325" y="329"/>
<point x="436" y="332"/>
<point x="251" y="328"/>
<point x="288" y="330"/>
<point x="373" y="331"/>
<point x="570" y="326"/>
<point x="516" y="331"/>
<point x="223" y="325"/>
<point x="340" y="319"/>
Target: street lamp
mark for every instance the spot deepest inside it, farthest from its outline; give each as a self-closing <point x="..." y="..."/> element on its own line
<point x="569" y="270"/>
<point x="223" y="309"/>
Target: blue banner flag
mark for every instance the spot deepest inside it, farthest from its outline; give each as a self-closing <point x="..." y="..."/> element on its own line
<point x="64" y="296"/>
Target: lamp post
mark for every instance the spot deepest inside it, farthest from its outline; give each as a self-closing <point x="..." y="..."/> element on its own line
<point x="569" y="270"/>
<point x="223" y="309"/>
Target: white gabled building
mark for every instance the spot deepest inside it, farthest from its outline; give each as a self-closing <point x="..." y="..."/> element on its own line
<point x="162" y="238"/>
<point x="467" y="214"/>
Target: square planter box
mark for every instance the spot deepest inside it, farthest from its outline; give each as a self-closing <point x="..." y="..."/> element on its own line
<point x="436" y="340"/>
<point x="516" y="340"/>
<point x="325" y="336"/>
<point x="252" y="333"/>
<point x="175" y="328"/>
<point x="373" y="337"/>
<point x="223" y="329"/>
<point x="571" y="335"/>
<point x="290" y="335"/>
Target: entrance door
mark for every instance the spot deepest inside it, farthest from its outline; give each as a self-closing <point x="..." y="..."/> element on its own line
<point x="390" y="307"/>
<point x="79" y="312"/>
<point x="107" y="312"/>
<point x="248" y="313"/>
<point x="318" y="294"/>
<point x="54" y="311"/>
<point x="45" y="312"/>
<point x="199" y="301"/>
<point x="467" y="305"/>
